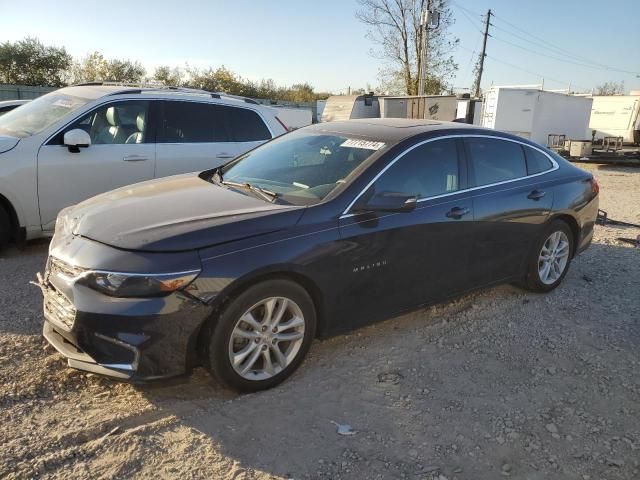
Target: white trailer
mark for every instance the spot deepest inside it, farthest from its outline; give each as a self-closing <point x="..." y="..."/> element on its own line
<point x="616" y="116"/>
<point x="431" y="107"/>
<point x="535" y="114"/>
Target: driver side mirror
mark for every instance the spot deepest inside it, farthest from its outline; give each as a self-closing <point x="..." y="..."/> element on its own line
<point x="390" y="202"/>
<point x="76" y="139"/>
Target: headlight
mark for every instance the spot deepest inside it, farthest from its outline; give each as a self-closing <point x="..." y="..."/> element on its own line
<point x="119" y="284"/>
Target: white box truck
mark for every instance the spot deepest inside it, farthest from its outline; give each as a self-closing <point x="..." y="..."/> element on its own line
<point x="535" y="114"/>
<point x="616" y="116"/>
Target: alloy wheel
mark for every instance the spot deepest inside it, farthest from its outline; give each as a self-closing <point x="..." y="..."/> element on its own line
<point x="266" y="338"/>
<point x="553" y="257"/>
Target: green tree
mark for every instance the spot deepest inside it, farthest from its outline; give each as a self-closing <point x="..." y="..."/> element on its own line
<point x="171" y="77"/>
<point x="29" y="62"/>
<point x="95" y="67"/>
<point x="394" y="26"/>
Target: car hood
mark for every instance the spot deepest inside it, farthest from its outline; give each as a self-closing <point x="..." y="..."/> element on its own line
<point x="173" y="214"/>
<point x="7" y="143"/>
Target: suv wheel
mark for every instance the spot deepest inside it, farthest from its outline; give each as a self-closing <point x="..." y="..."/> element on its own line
<point x="261" y="336"/>
<point x="550" y="258"/>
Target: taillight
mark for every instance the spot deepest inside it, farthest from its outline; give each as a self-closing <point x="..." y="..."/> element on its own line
<point x="595" y="188"/>
<point x="286" y="129"/>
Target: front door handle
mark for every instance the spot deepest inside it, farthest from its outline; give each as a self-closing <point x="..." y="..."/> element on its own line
<point x="536" y="195"/>
<point x="225" y="155"/>
<point x="457" y="212"/>
<point x="135" y="158"/>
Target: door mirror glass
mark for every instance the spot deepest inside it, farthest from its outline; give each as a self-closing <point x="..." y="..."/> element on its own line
<point x="76" y="138"/>
<point x="390" y="202"/>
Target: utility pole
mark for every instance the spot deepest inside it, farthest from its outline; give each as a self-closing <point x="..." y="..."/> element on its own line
<point x="424" y="26"/>
<point x="484" y="54"/>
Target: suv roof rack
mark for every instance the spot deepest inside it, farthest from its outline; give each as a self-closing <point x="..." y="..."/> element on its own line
<point x="149" y="88"/>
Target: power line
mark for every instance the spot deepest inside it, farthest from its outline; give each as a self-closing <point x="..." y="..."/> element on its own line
<point x="542" y="45"/>
<point x="471" y="20"/>
<point x="536" y="74"/>
<point x="541" y="41"/>
<point x="555" y="47"/>
<point x="547" y="55"/>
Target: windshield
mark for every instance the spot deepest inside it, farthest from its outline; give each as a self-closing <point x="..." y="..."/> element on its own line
<point x="301" y="167"/>
<point x="35" y="116"/>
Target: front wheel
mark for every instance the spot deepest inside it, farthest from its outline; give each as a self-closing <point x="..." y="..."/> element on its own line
<point x="261" y="336"/>
<point x="551" y="258"/>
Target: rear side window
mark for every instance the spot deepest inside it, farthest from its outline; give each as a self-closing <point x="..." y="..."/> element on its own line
<point x="193" y="122"/>
<point x="426" y="171"/>
<point x="537" y="161"/>
<point x="495" y="160"/>
<point x="246" y="125"/>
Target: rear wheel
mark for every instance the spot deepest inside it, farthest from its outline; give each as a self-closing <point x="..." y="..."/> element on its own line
<point x="261" y="336"/>
<point x="5" y="228"/>
<point x="551" y="258"/>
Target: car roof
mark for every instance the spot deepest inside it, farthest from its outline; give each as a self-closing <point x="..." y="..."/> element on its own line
<point x="391" y="130"/>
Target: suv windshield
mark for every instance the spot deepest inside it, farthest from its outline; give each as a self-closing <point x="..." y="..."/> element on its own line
<point x="35" y="116"/>
<point x="301" y="168"/>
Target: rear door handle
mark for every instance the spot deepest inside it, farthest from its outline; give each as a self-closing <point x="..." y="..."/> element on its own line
<point x="457" y="212"/>
<point x="536" y="195"/>
<point x="135" y="158"/>
<point x="225" y="155"/>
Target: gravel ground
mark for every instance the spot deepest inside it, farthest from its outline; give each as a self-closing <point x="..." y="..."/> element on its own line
<point x="498" y="383"/>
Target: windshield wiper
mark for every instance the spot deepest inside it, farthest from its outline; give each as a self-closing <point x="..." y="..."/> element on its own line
<point x="266" y="194"/>
<point x="263" y="192"/>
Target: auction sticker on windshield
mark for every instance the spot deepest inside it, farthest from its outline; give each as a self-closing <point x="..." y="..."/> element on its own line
<point x="366" y="144"/>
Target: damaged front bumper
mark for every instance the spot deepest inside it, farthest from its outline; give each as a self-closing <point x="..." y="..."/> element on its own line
<point x="131" y="339"/>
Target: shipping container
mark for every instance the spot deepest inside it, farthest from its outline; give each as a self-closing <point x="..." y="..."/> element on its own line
<point x="430" y="107"/>
<point x="535" y="114"/>
<point x="345" y="107"/>
<point x="294" y="118"/>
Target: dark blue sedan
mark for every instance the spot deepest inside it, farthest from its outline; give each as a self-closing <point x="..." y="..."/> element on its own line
<point x="317" y="232"/>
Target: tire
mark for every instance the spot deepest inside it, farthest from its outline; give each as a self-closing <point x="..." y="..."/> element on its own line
<point x="536" y="280"/>
<point x="244" y="337"/>
<point x="5" y="228"/>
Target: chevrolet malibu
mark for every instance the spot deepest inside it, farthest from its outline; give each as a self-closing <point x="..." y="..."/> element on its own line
<point x="314" y="233"/>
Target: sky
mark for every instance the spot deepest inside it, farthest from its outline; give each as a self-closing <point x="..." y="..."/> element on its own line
<point x="321" y="42"/>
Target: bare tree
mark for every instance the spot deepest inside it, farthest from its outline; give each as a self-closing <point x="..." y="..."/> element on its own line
<point x="394" y="25"/>
<point x="610" y="88"/>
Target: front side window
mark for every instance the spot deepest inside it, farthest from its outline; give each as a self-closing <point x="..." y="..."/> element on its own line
<point x="426" y="171"/>
<point x="116" y="123"/>
<point x="39" y="114"/>
<point x="494" y="160"/>
<point x="193" y="122"/>
<point x="301" y="167"/>
<point x="246" y="125"/>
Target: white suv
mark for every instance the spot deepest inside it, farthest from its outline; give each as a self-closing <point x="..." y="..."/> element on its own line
<point x="79" y="141"/>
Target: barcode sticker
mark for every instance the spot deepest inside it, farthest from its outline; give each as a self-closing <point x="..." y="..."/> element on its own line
<point x="366" y="144"/>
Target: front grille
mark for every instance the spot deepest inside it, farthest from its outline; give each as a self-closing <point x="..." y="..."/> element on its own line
<point x="57" y="306"/>
<point x="59" y="309"/>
